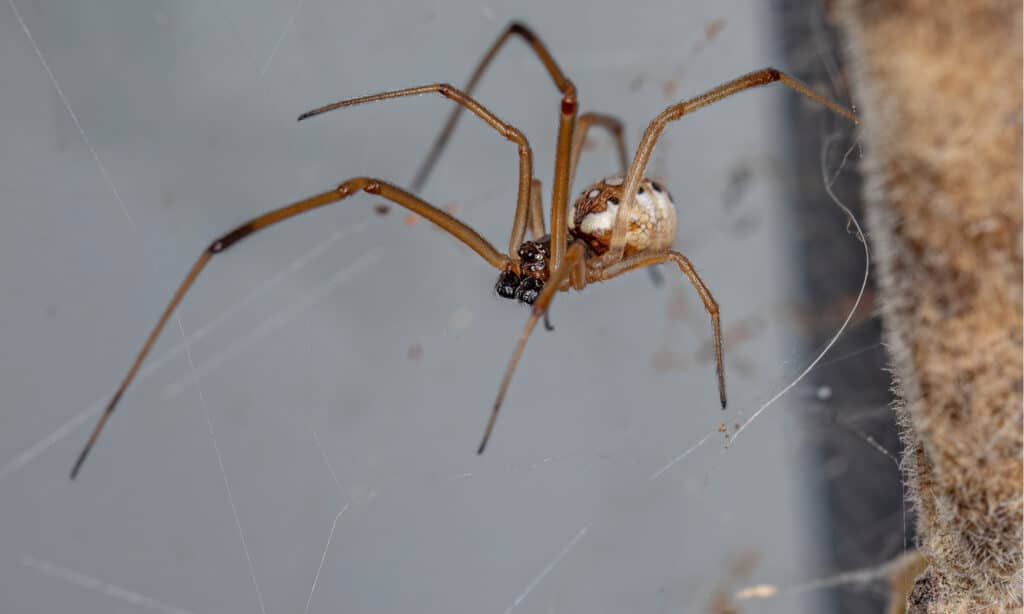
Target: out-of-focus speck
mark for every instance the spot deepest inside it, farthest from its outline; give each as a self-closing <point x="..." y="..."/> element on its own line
<point x="161" y="18"/>
<point x="824" y="392"/>
<point x="452" y="208"/>
<point x="382" y="210"/>
<point x="415" y="351"/>
<point x="712" y="28"/>
<point x="460" y="319"/>
<point x="636" y="83"/>
<point x="669" y="89"/>
<point x="741" y="177"/>
<point x="758" y="591"/>
<point x="662" y="361"/>
<point x="678" y="305"/>
<point x="411" y="219"/>
<point x="666" y="361"/>
<point x="722" y="428"/>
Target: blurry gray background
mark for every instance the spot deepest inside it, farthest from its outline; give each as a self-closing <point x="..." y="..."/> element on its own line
<point x="305" y="440"/>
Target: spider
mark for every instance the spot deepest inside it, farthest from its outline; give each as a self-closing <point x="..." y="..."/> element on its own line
<point x="618" y="224"/>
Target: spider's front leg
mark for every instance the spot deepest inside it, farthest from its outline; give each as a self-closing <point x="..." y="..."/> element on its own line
<point x="654" y="130"/>
<point x="448" y="223"/>
<point x="571" y="271"/>
<point x="506" y="130"/>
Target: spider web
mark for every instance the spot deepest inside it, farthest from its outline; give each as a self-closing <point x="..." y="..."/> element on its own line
<point x="303" y="438"/>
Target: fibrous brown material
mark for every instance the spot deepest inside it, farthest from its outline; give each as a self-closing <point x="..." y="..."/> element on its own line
<point x="938" y="85"/>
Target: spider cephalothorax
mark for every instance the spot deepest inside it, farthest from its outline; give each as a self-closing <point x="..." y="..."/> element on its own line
<point x="652" y="225"/>
<point x="525" y="286"/>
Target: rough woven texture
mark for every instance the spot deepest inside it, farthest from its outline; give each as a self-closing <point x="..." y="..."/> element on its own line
<point x="938" y="85"/>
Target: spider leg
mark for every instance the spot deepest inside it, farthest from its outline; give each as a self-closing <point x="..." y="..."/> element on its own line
<point x="515" y="28"/>
<point x="566" y="124"/>
<point x="448" y="223"/>
<point x="761" y="77"/>
<point x="644" y="259"/>
<point x="567" y="271"/>
<point x="610" y="123"/>
<point x="536" y="211"/>
<point x="508" y="131"/>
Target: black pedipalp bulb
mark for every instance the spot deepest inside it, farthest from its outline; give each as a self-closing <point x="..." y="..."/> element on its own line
<point x="508" y="283"/>
<point x="529" y="290"/>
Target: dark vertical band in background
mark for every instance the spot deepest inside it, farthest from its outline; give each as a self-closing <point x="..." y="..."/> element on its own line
<point x="864" y="521"/>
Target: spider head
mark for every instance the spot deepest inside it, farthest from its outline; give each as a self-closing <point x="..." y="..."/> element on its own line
<point x="652" y="224"/>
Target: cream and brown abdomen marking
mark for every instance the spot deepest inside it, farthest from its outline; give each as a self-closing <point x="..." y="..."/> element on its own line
<point x="652" y="224"/>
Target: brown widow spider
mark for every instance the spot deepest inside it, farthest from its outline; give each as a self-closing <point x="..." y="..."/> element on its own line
<point x="618" y="224"/>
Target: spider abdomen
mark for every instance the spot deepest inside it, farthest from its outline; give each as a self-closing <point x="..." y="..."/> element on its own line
<point x="652" y="224"/>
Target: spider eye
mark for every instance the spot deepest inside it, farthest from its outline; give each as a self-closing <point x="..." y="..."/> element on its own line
<point x="613" y="201"/>
<point x="529" y="290"/>
<point x="508" y="283"/>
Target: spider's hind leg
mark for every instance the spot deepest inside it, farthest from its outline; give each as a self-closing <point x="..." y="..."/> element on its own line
<point x="646" y="259"/>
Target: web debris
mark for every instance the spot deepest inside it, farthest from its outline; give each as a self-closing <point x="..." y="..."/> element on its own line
<point x="547" y="569"/>
<point x="860" y="294"/>
<point x="74" y="118"/>
<point x="334" y="525"/>
<point x="92" y="584"/>
<point x="83" y="415"/>
<point x="884" y="571"/>
<point x="852" y="220"/>
<point x="223" y="471"/>
<point x="271" y="324"/>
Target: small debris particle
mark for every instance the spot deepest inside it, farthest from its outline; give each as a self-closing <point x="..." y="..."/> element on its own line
<point x="722" y="428"/>
<point x="669" y="89"/>
<point x="460" y="319"/>
<point x="824" y="392"/>
<point x="662" y="361"/>
<point x="712" y="29"/>
<point x="382" y="209"/>
<point x="415" y="351"/>
<point x="758" y="591"/>
<point x="678" y="306"/>
<point x="411" y="219"/>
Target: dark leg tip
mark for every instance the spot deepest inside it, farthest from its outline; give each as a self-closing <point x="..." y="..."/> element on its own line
<point x="723" y="402"/>
<point x="78" y="463"/>
<point x="655" y="274"/>
<point x="480" y="450"/>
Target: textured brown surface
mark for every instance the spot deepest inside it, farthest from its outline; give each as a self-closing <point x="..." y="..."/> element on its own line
<point x="938" y="85"/>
